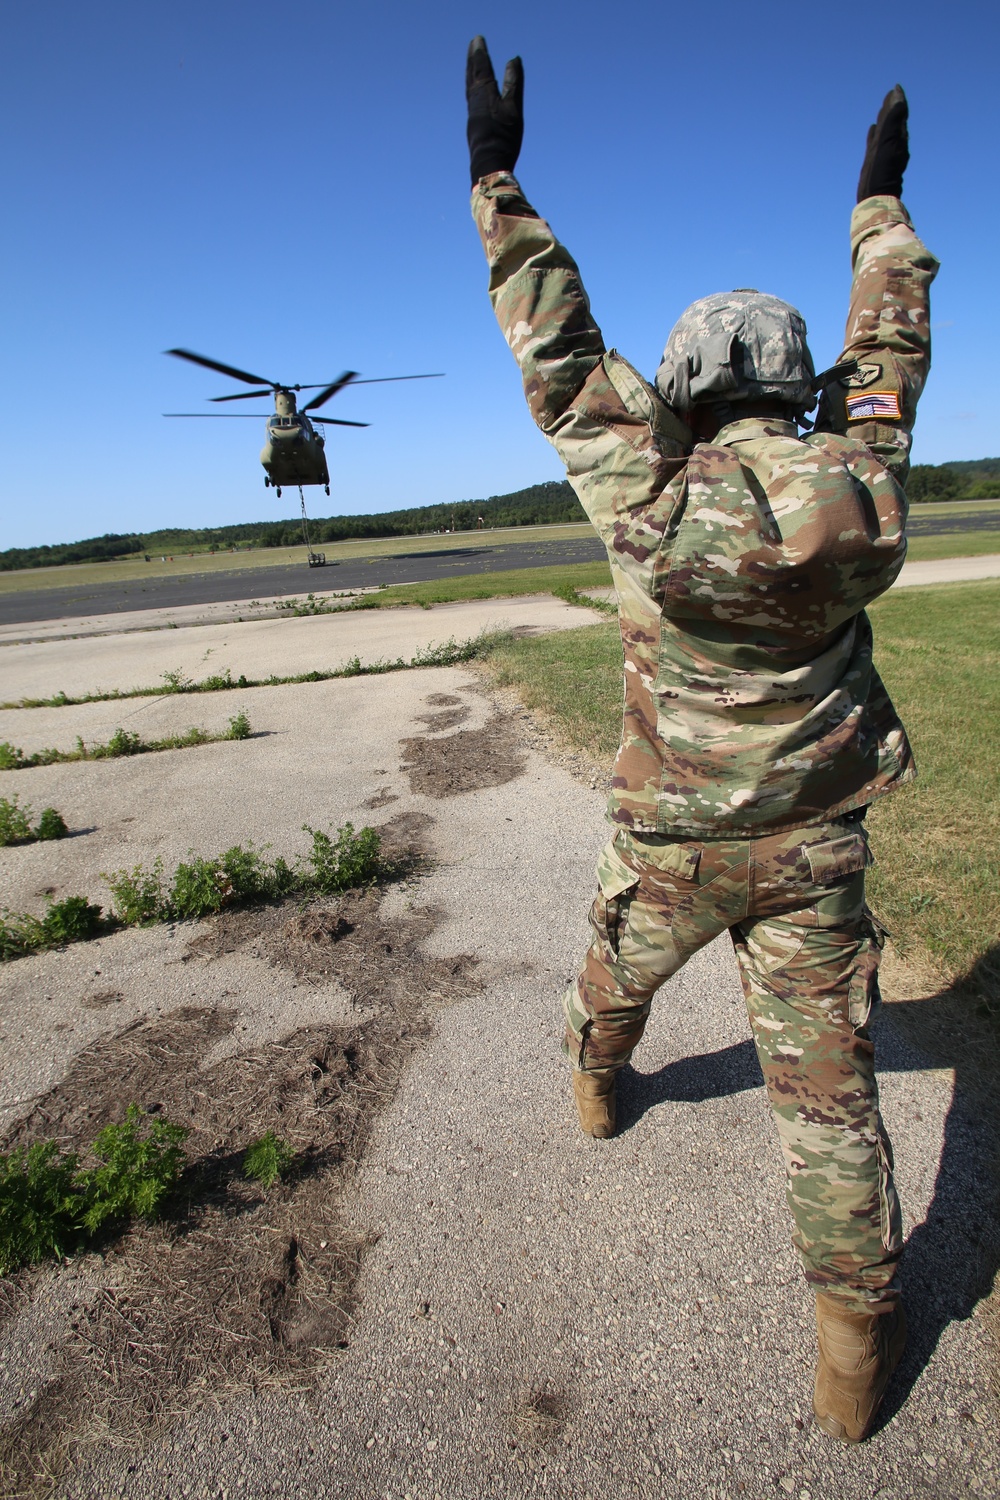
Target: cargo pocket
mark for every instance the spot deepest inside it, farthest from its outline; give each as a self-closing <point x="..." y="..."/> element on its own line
<point x="836" y="859"/>
<point x="888" y="1203"/>
<point x="863" y="996"/>
<point x="609" y="913"/>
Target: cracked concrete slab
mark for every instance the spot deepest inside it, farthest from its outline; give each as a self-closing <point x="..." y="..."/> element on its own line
<point x="541" y="1313"/>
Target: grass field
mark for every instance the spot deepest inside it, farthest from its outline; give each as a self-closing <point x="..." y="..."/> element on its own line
<point x="954" y="544"/>
<point x="937" y="842"/>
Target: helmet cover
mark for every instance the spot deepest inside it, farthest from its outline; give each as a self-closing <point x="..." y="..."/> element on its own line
<point x="737" y="346"/>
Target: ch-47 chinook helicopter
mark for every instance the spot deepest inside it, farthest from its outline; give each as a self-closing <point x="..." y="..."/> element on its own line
<point x="294" y="452"/>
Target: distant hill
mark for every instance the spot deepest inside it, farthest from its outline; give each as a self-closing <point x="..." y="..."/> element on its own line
<point x="964" y="479"/>
<point x="539" y="504"/>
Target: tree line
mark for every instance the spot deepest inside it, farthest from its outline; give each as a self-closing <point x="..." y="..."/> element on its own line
<point x="551" y="503"/>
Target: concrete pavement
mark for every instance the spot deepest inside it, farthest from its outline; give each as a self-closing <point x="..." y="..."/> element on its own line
<point x="541" y="1313"/>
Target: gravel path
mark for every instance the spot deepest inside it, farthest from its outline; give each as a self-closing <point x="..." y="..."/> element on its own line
<point x="541" y="1313"/>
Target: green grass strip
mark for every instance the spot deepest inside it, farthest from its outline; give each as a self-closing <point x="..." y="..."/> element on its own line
<point x="122" y="743"/>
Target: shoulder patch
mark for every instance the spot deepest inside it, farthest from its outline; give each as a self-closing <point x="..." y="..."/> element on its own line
<point x="863" y="375"/>
<point x="874" y="405"/>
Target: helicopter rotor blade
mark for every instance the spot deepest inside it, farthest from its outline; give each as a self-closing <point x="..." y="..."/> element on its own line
<point x="219" y="416"/>
<point x="214" y="364"/>
<point x="241" y="395"/>
<point x="384" y="379"/>
<point x="331" y="390"/>
<point x="338" y="422"/>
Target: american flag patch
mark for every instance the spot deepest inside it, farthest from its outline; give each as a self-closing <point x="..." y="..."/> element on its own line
<point x="873" y="404"/>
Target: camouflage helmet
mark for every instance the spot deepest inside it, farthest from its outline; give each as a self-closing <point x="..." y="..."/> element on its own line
<point x="737" y="346"/>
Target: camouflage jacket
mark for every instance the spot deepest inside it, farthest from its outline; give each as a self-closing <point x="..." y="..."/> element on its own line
<point x="742" y="566"/>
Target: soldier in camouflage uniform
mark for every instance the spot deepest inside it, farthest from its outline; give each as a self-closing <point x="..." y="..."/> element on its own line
<point x="756" y="729"/>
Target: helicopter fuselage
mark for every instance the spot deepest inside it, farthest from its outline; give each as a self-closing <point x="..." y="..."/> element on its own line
<point x="293" y="453"/>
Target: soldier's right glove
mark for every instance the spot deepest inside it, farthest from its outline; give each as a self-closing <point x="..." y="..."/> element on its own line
<point x="888" y="149"/>
<point x="496" y="121"/>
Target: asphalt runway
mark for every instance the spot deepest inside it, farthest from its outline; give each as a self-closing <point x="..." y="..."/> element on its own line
<point x="404" y="567"/>
<point x="274" y="582"/>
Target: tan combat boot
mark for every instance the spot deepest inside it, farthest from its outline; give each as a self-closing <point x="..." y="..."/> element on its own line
<point x="857" y="1354"/>
<point x="595" y="1101"/>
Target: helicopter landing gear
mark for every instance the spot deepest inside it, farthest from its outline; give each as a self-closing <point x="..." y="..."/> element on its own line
<point x="266" y="481"/>
<point x="277" y="491"/>
<point x="327" y="488"/>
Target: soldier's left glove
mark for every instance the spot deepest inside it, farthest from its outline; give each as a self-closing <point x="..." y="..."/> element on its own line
<point x="496" y="121"/>
<point x="888" y="149"/>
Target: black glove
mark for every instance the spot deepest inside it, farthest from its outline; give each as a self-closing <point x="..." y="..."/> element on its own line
<point x="888" y="149"/>
<point x="496" y="121"/>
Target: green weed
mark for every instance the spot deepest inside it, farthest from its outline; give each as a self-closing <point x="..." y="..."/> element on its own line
<point x="239" y="727"/>
<point x="341" y="864"/>
<point x="50" y="1207"/>
<point x="39" y="1205"/>
<point x="20" y="933"/>
<point x="136" y="1170"/>
<point x="199" y="888"/>
<point x="122" y="742"/>
<point x="51" y="825"/>
<point x="137" y="894"/>
<point x="15" y="822"/>
<point x="265" y="1160"/>
<point x="70" y="921"/>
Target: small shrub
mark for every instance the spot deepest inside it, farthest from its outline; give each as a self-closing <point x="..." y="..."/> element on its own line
<point x="15" y="822"/>
<point x="122" y="742"/>
<point x="51" y="825"/>
<point x="217" y="682"/>
<point x="136" y="1171"/>
<point x="137" y="894"/>
<point x="38" y="1205"/>
<point x="70" y="921"/>
<point x="176" y="682"/>
<point x="11" y="759"/>
<point x="265" y="1160"/>
<point x="250" y="876"/>
<point x="239" y="727"/>
<point x="285" y="878"/>
<point x="20" y="933"/>
<point x="192" y="736"/>
<point x="198" y="889"/>
<point x="48" y="1206"/>
<point x="350" y="860"/>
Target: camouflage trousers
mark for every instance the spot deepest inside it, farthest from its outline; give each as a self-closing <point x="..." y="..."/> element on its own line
<point x="808" y="951"/>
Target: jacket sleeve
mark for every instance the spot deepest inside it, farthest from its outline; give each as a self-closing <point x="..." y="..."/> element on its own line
<point x="888" y="333"/>
<point x="620" y="442"/>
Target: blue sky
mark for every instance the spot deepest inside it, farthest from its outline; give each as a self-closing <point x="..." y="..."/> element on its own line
<point x="286" y="189"/>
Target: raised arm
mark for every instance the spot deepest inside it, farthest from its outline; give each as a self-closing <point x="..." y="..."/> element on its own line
<point x="888" y="326"/>
<point x="620" y="442"/>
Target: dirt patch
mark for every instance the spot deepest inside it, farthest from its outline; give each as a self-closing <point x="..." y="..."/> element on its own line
<point x="101" y="999"/>
<point x="444" y="718"/>
<point x="537" y="1419"/>
<point x="537" y="731"/>
<point x="442" y="700"/>
<point x="381" y="797"/>
<point x="464" y="762"/>
<point x="235" y="1288"/>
